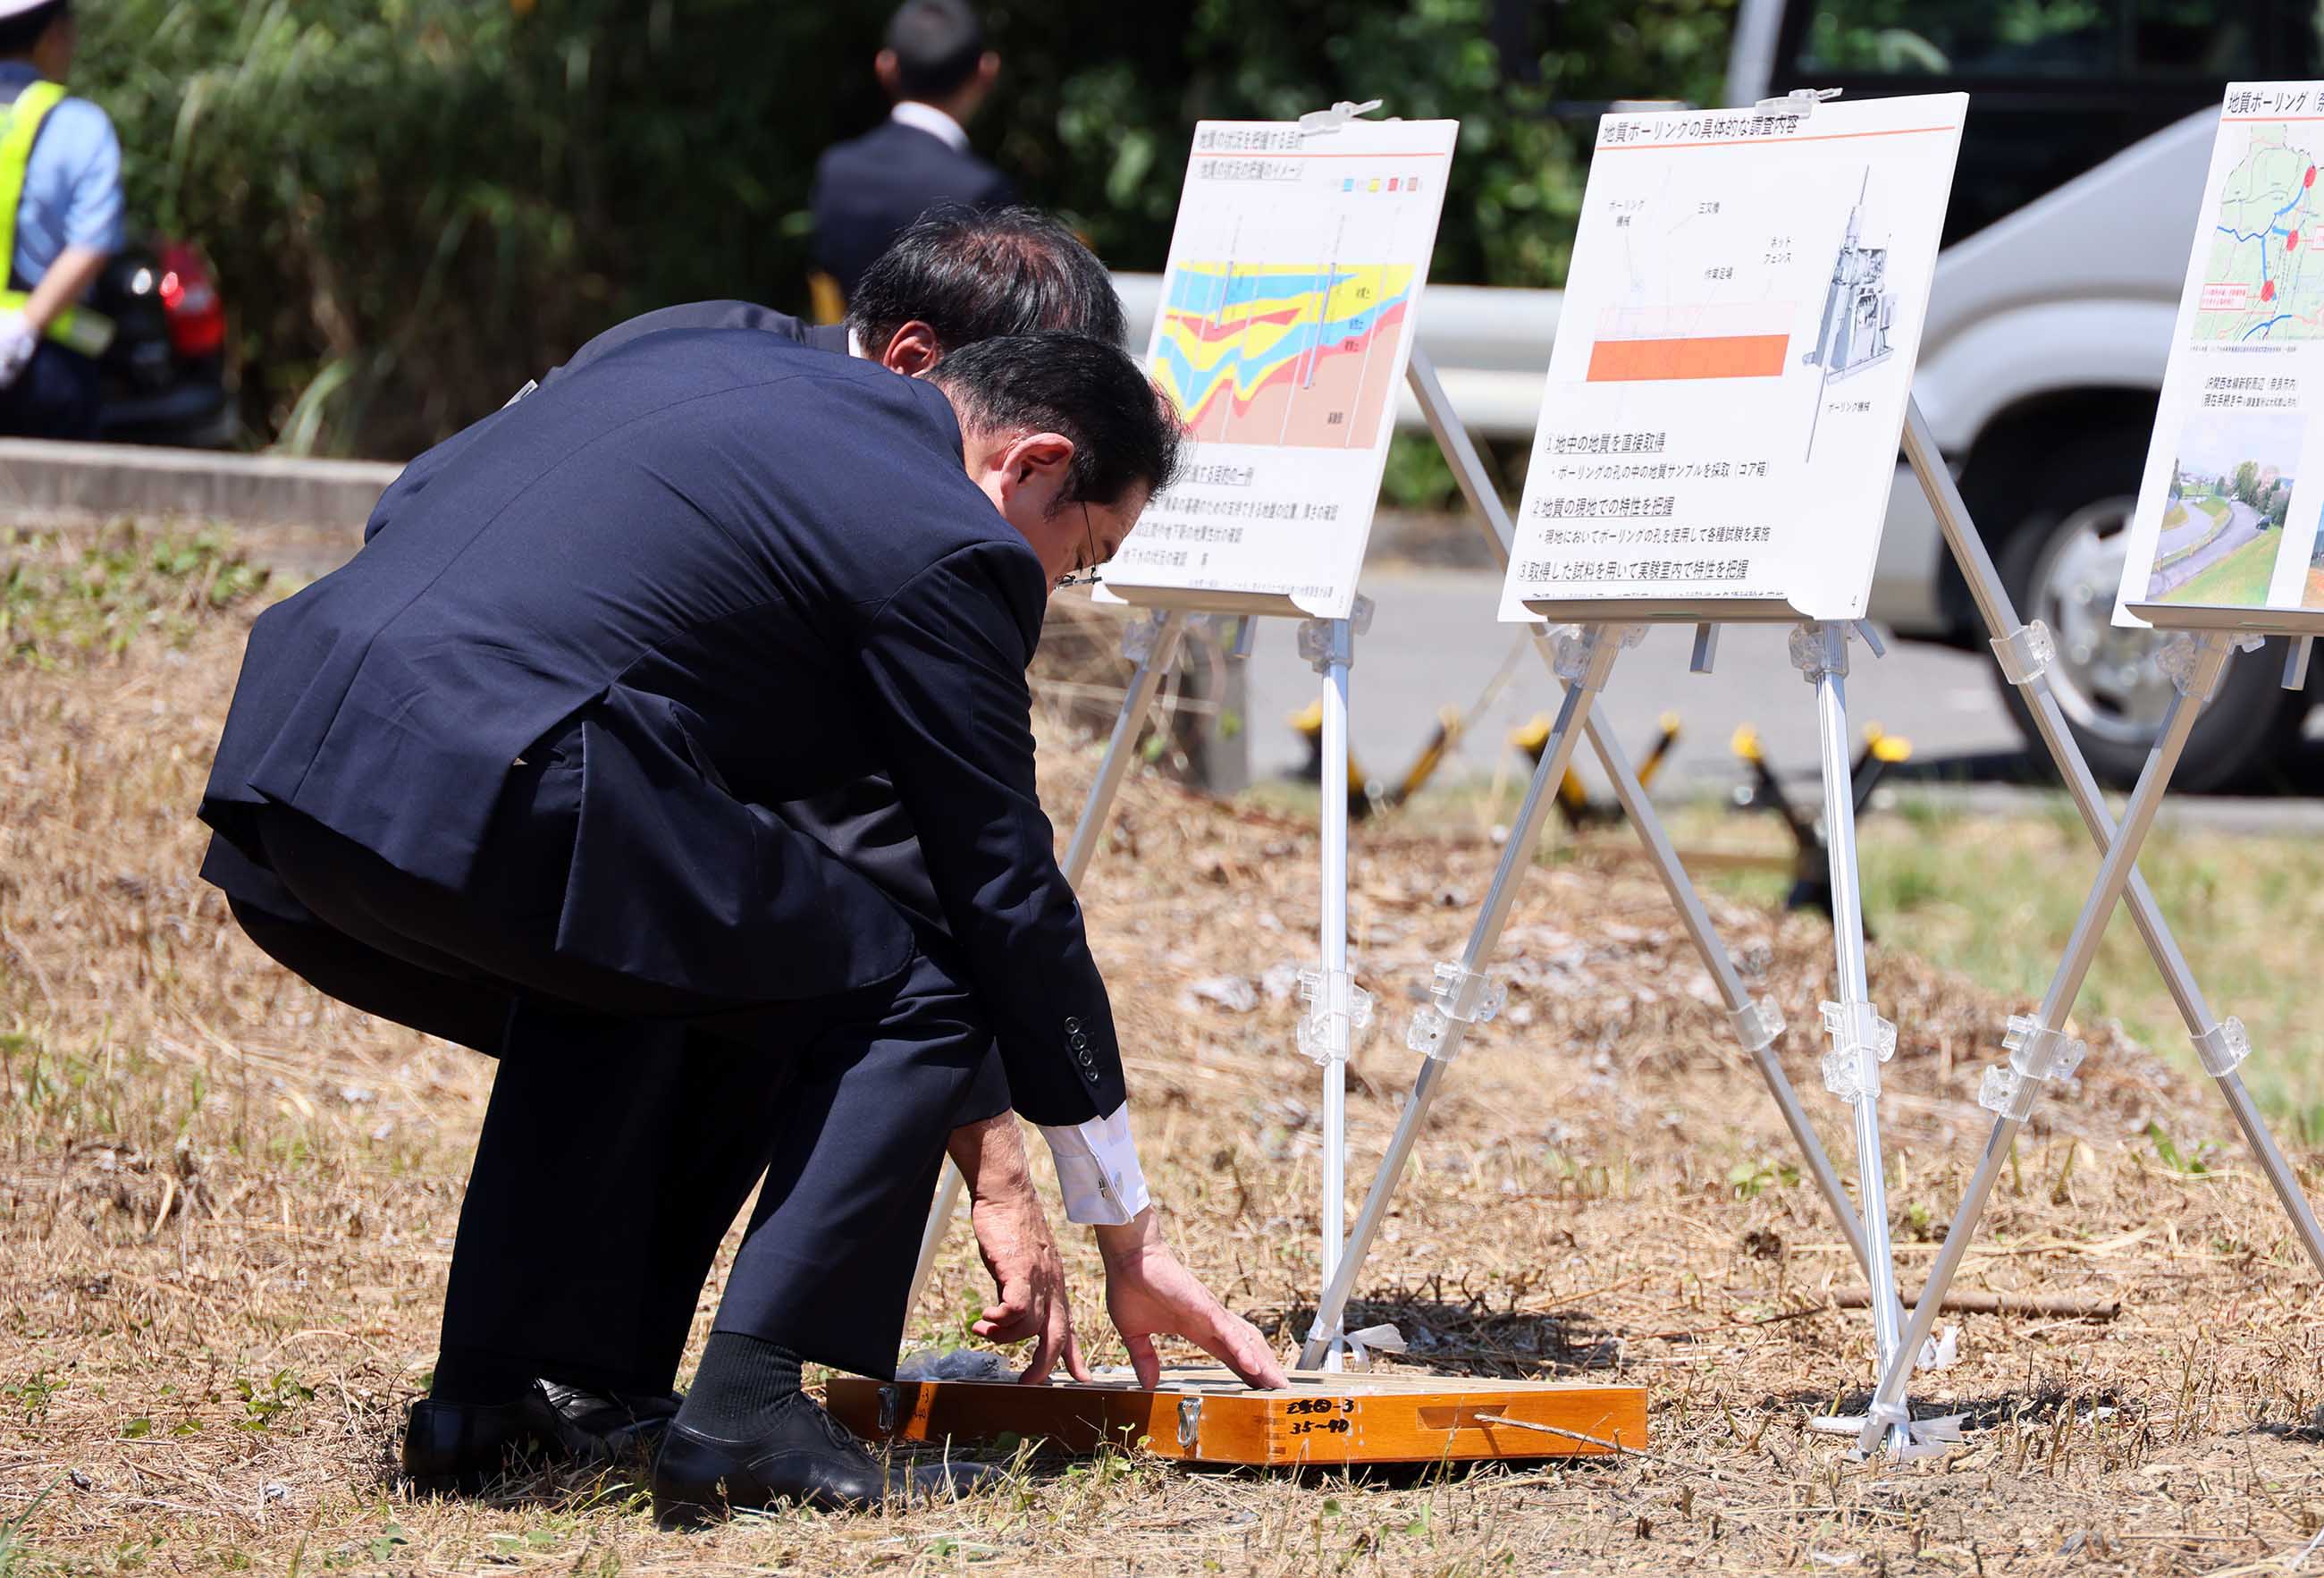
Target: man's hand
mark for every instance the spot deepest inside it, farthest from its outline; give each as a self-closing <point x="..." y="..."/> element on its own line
<point x="1031" y="1301"/>
<point x="1012" y="1234"/>
<point x="1149" y="1294"/>
<point x="18" y="340"/>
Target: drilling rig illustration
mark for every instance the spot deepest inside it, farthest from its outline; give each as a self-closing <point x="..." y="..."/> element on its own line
<point x="1858" y="314"/>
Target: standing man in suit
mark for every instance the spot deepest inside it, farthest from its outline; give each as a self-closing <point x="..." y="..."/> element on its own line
<point x="937" y="70"/>
<point x="532" y="745"/>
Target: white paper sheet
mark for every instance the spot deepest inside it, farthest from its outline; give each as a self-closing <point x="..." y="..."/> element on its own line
<point x="1733" y="357"/>
<point x="1288" y="308"/>
<point x="2227" y="505"/>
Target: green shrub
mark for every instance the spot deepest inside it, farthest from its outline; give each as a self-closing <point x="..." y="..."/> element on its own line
<point x="414" y="205"/>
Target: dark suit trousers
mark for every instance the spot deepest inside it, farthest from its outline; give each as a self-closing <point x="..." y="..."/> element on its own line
<point x="627" y="1126"/>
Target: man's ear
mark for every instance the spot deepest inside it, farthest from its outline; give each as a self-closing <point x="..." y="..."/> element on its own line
<point x="1038" y="462"/>
<point x="912" y="350"/>
<point x="890" y="75"/>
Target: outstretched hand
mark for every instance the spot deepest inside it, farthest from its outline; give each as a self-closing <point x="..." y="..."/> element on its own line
<point x="1029" y="1284"/>
<point x="1149" y="1294"/>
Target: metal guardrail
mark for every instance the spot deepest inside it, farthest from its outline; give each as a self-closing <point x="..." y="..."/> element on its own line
<point x="1491" y="345"/>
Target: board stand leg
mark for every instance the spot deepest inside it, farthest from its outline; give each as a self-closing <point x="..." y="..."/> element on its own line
<point x="2040" y="1050"/>
<point x="2025" y="652"/>
<point x="1465" y="994"/>
<point x="1151" y="642"/>
<point x="1336" y="1006"/>
<point x="1758" y="1025"/>
<point x="1862" y="1040"/>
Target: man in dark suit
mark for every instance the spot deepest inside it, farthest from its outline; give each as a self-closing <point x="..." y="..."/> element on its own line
<point x="532" y="746"/>
<point x="937" y="70"/>
<point x="693" y="1112"/>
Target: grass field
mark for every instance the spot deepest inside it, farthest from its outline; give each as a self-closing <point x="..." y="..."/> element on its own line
<point x="2237" y="581"/>
<point x="226" y="1204"/>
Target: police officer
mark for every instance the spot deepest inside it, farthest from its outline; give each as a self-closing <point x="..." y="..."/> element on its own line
<point x="60" y="215"/>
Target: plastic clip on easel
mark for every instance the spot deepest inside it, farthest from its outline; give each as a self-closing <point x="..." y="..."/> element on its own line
<point x="2037" y="1054"/>
<point x="1337" y="116"/>
<point x="1459" y="992"/>
<point x="1799" y="101"/>
<point x="1855" y="1028"/>
<point x="1139" y="635"/>
<point x="2180" y="660"/>
<point x="1325" y="642"/>
<point x="1330" y="996"/>
<point x="1757" y="1024"/>
<point x="2223" y="1048"/>
<point x="2025" y="653"/>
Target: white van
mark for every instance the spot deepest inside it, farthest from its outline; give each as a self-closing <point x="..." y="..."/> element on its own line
<point x="2082" y="170"/>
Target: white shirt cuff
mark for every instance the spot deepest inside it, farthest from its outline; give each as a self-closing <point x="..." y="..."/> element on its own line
<point x="1098" y="1170"/>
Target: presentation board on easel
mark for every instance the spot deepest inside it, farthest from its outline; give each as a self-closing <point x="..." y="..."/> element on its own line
<point x="2222" y="546"/>
<point x="1717" y="438"/>
<point x="2226" y="534"/>
<point x="1288" y="309"/>
<point x="1285" y="334"/>
<point x="1719" y="426"/>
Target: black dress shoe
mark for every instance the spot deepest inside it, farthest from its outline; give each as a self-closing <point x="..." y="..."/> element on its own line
<point x="808" y="1458"/>
<point x="466" y="1446"/>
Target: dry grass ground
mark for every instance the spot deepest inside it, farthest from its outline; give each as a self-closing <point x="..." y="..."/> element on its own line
<point x="226" y="1204"/>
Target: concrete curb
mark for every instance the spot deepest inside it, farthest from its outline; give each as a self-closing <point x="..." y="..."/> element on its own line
<point x="37" y="477"/>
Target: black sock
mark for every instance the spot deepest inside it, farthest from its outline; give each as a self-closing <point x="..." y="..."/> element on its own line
<point x="478" y="1375"/>
<point x="742" y="1387"/>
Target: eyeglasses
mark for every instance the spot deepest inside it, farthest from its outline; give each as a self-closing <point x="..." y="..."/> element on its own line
<point x="1089" y="575"/>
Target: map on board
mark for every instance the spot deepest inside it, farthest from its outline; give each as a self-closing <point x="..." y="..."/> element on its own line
<point x="2262" y="279"/>
<point x="1282" y="353"/>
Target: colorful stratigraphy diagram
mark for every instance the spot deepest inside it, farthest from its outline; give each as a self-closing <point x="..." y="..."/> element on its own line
<point x="2261" y="281"/>
<point x="1291" y="353"/>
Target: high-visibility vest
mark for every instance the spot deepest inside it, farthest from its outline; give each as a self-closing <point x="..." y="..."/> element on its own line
<point x="75" y="328"/>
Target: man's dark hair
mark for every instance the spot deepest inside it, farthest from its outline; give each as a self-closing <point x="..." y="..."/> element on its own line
<point x="938" y="45"/>
<point x="18" y="34"/>
<point x="970" y="274"/>
<point x="1125" y="430"/>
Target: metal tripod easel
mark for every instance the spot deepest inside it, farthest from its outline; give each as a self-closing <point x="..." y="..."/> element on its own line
<point x="1758" y="1025"/>
<point x="2039" y="1049"/>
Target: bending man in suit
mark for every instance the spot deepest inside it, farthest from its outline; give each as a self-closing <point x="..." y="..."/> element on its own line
<point x="867" y="191"/>
<point x="691" y="1111"/>
<point x="532" y="744"/>
<point x="691" y="1119"/>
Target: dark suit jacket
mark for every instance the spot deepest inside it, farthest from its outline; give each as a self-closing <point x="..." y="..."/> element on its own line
<point x="756" y="574"/>
<point x="868" y="188"/>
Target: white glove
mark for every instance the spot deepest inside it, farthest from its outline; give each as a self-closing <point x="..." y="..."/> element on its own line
<point x="17" y="344"/>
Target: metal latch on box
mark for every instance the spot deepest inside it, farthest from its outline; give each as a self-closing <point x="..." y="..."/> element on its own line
<point x="1190" y="1420"/>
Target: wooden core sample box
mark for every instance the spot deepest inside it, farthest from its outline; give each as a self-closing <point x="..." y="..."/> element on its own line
<point x="1204" y="1415"/>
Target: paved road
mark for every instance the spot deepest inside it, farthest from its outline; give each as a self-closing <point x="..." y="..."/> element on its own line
<point x="2243" y="524"/>
<point x="1435" y="643"/>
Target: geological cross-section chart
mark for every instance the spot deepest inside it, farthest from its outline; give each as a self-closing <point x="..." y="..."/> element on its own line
<point x="1283" y="354"/>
